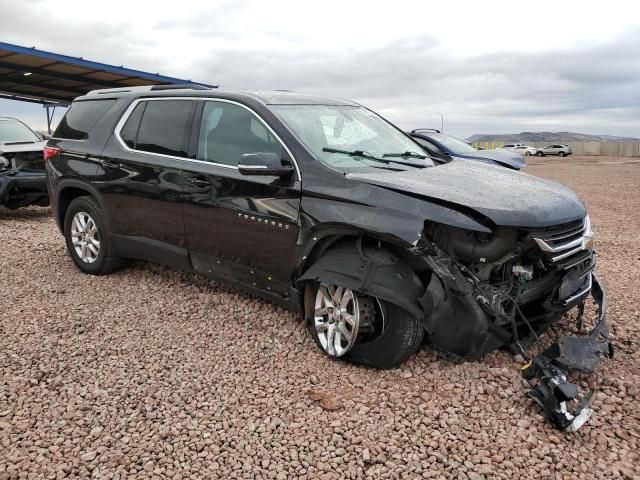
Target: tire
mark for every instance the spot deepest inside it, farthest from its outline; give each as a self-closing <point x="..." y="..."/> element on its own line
<point x="100" y="259"/>
<point x="396" y="338"/>
<point x="539" y="154"/>
<point x="561" y="154"/>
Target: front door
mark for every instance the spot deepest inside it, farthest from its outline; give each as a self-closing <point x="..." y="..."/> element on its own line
<point x="239" y="228"/>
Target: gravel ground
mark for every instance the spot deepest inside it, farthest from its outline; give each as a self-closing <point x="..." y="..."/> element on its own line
<point x="155" y="373"/>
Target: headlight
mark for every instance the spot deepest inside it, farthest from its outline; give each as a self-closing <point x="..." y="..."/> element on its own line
<point x="587" y="236"/>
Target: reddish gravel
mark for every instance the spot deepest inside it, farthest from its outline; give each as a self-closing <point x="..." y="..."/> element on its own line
<point x="154" y="373"/>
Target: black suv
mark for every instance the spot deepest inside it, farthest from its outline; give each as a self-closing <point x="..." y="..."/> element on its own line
<point x="324" y="207"/>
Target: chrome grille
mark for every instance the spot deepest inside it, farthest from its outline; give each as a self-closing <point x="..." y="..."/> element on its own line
<point x="565" y="242"/>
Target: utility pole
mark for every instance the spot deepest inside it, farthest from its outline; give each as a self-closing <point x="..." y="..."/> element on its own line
<point x="441" y="121"/>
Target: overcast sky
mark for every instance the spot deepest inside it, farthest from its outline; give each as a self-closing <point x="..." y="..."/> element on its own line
<point x="488" y="66"/>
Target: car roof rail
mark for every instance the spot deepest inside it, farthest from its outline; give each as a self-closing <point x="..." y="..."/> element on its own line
<point x="416" y="130"/>
<point x="147" y="88"/>
<point x="182" y="86"/>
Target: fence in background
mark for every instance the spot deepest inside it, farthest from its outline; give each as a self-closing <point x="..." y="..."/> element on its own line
<point x="610" y="149"/>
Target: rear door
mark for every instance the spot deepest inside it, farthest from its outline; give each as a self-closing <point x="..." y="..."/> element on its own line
<point x="141" y="179"/>
<point x="240" y="228"/>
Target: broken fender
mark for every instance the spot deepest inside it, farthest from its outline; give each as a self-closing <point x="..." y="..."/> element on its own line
<point x="372" y="271"/>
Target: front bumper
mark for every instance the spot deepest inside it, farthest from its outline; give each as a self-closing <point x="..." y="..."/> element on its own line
<point x="550" y="368"/>
<point x="19" y="188"/>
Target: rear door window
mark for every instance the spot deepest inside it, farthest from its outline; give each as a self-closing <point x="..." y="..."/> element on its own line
<point x="164" y="127"/>
<point x="81" y="118"/>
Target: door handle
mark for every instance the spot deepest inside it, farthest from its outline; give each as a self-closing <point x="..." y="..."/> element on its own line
<point x="108" y="164"/>
<point x="198" y="182"/>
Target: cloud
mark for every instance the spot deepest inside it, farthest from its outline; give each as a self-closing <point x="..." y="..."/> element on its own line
<point x="410" y="80"/>
<point x="592" y="87"/>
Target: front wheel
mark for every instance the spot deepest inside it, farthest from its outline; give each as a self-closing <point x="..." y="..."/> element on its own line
<point x="360" y="328"/>
<point x="562" y="154"/>
<point x="539" y="154"/>
<point x="88" y="237"/>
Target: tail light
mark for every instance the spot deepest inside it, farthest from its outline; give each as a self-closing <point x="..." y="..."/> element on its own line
<point x="50" y="152"/>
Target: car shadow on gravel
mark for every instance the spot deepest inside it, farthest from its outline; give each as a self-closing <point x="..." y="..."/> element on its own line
<point x="24" y="213"/>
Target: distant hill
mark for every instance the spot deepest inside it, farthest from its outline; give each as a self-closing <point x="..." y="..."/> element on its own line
<point x="551" y="137"/>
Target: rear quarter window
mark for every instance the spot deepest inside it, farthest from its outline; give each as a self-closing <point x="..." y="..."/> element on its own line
<point x="81" y="118"/>
<point x="129" y="132"/>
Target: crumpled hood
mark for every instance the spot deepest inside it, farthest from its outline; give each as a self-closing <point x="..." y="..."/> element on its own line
<point x="504" y="157"/>
<point x="506" y="197"/>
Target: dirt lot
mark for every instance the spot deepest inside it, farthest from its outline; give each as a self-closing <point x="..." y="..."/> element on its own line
<point x="150" y="372"/>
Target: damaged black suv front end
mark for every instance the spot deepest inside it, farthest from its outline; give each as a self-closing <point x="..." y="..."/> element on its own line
<point x="507" y="288"/>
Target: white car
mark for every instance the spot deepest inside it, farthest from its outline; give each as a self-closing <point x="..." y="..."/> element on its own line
<point x="525" y="150"/>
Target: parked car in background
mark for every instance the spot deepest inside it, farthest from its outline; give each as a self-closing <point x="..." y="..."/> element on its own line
<point x="555" y="149"/>
<point x="325" y="208"/>
<point x="525" y="150"/>
<point x="22" y="176"/>
<point x="511" y="146"/>
<point x="446" y="147"/>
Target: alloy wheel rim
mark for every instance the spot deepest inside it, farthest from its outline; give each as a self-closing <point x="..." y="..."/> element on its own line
<point x="85" y="237"/>
<point x="336" y="319"/>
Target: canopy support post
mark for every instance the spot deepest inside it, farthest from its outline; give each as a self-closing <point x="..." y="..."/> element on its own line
<point x="51" y="110"/>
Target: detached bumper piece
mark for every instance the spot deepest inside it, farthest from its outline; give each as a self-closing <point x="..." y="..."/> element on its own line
<point x="552" y="392"/>
<point x="20" y="188"/>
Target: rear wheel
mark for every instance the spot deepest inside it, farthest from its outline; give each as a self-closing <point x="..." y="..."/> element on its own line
<point x="361" y="328"/>
<point x="88" y="237"/>
<point x="528" y="154"/>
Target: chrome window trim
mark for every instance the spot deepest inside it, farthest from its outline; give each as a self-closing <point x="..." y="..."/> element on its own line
<point x="127" y="113"/>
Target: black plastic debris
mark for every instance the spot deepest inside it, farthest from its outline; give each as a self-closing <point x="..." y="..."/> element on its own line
<point x="553" y="392"/>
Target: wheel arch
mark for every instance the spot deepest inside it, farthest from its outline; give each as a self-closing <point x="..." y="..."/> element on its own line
<point x="371" y="265"/>
<point x="68" y="191"/>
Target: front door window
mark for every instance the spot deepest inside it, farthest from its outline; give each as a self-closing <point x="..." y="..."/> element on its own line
<point x="229" y="131"/>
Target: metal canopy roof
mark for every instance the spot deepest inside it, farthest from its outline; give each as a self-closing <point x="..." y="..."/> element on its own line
<point x="32" y="75"/>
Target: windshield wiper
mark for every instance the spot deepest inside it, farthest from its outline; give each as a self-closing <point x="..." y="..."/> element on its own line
<point x="405" y="155"/>
<point x="356" y="153"/>
<point x="360" y="153"/>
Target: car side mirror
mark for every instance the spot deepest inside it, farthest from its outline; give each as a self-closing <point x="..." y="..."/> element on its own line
<point x="265" y="163"/>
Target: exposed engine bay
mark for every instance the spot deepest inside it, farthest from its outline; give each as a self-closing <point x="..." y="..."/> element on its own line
<point x="505" y="289"/>
<point x="22" y="176"/>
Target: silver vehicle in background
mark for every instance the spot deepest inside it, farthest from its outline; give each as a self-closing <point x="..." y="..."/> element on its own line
<point x="555" y="149"/>
<point x="23" y="180"/>
<point x="525" y="150"/>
